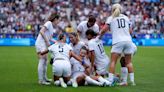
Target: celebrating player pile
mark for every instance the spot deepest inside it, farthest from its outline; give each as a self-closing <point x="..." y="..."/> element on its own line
<point x="84" y="61"/>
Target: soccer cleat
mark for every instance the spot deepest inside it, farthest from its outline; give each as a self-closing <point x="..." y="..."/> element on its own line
<point x="62" y="83"/>
<point x="48" y="80"/>
<point x="132" y="83"/>
<point x="57" y="83"/>
<point x="74" y="83"/>
<point x="123" y="84"/>
<point x="44" y="83"/>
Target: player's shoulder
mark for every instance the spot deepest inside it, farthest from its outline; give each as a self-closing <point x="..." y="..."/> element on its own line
<point x="109" y="19"/>
<point x="68" y="46"/>
<point x="124" y="16"/>
<point x="48" y="23"/>
<point x="81" y="43"/>
<point x="92" y="41"/>
<point x="83" y="23"/>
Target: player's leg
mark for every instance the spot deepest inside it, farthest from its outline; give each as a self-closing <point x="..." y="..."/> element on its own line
<point x="91" y="81"/>
<point x="115" y="53"/>
<point x="124" y="72"/>
<point x="67" y="72"/>
<point x="57" y="68"/>
<point x="41" y="70"/>
<point x="45" y="69"/>
<point x="114" y="57"/>
<point x="128" y="59"/>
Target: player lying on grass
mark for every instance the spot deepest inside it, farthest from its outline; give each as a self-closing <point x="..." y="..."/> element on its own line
<point x="61" y="66"/>
<point x="78" y="47"/>
<point x="81" y="72"/>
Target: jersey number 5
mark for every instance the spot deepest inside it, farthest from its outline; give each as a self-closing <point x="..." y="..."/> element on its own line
<point x="60" y="49"/>
<point x="121" y="23"/>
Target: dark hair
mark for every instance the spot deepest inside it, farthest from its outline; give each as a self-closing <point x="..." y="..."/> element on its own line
<point x="91" y="32"/>
<point x="84" y="48"/>
<point x="91" y="18"/>
<point x="53" y="16"/>
<point x="61" y="36"/>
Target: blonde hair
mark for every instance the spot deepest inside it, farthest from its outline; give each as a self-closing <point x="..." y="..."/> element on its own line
<point x="116" y="10"/>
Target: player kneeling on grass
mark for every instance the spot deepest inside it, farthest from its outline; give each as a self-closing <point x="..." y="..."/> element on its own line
<point x="61" y="66"/>
<point x="97" y="54"/>
<point x="81" y="71"/>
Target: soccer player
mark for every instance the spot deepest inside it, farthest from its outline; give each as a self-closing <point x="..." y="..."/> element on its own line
<point x="98" y="57"/>
<point x="80" y="49"/>
<point x="119" y="24"/>
<point x="61" y="66"/>
<point x="81" y="71"/>
<point x="42" y="42"/>
<point x="75" y="43"/>
<point x="85" y="25"/>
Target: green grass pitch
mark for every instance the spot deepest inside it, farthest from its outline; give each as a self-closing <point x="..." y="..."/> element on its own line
<point x="18" y="72"/>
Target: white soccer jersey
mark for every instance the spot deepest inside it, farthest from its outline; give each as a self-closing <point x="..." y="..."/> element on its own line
<point x="96" y="45"/>
<point x="77" y="66"/>
<point x="60" y="50"/>
<point x="48" y="33"/>
<point x="82" y="27"/>
<point x="77" y="47"/>
<point x="120" y="28"/>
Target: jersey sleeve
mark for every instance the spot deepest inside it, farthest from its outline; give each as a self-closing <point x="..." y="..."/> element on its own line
<point x="69" y="46"/>
<point x="90" y="46"/>
<point x="109" y="20"/>
<point x="80" y="27"/>
<point x="50" y="48"/>
<point x="49" y="26"/>
<point x="96" y="29"/>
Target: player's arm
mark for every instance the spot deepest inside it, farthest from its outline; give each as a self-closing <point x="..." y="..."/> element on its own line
<point x="130" y="30"/>
<point x="52" y="39"/>
<point x="42" y="32"/>
<point x="104" y="30"/>
<point x="92" y="57"/>
<point x="72" y="54"/>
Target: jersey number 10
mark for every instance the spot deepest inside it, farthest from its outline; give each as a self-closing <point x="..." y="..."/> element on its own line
<point x="121" y="23"/>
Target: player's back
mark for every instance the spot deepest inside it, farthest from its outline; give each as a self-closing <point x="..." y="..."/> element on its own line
<point x="97" y="46"/>
<point x="60" y="50"/>
<point x="120" y="28"/>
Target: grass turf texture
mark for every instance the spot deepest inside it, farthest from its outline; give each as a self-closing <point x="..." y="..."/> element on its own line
<point x="18" y="72"/>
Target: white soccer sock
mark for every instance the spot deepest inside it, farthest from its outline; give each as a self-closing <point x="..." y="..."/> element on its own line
<point x="102" y="80"/>
<point x="124" y="74"/>
<point x="111" y="77"/>
<point x="131" y="76"/>
<point x="40" y="69"/>
<point x="91" y="81"/>
<point x="45" y="69"/>
<point x="57" y="83"/>
<point x="62" y="83"/>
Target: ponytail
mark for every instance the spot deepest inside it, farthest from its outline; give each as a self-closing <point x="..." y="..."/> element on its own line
<point x="116" y="10"/>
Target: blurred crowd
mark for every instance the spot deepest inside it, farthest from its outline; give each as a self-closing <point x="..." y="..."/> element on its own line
<point x="27" y="16"/>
